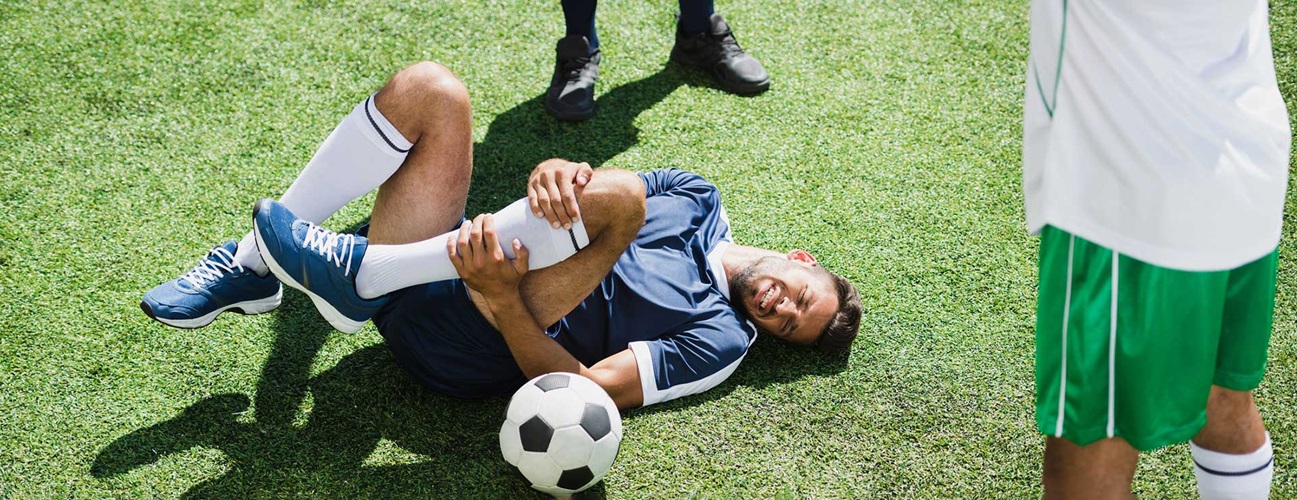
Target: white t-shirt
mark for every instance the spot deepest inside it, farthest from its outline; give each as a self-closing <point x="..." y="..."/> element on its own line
<point x="1156" y="128"/>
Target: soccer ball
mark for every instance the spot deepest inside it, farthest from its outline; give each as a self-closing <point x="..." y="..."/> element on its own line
<point x="562" y="431"/>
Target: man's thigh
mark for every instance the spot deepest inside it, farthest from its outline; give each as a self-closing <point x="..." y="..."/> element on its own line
<point x="427" y="194"/>
<point x="439" y="338"/>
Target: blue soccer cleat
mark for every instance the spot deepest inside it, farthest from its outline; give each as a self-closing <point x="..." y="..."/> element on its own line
<point x="217" y="284"/>
<point x="317" y="261"/>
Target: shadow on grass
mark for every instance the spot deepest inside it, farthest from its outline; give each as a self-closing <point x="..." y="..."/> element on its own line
<point x="314" y="435"/>
<point x="525" y="135"/>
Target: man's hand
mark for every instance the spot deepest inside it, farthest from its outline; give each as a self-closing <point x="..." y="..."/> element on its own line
<point x="481" y="263"/>
<point x="553" y="187"/>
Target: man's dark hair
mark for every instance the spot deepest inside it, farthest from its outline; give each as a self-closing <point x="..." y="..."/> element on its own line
<point x="844" y="324"/>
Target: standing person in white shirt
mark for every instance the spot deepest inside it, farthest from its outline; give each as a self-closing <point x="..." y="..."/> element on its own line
<point x="1155" y="151"/>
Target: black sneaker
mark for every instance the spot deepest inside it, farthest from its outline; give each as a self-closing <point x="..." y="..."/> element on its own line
<point x="571" y="92"/>
<point x="718" y="52"/>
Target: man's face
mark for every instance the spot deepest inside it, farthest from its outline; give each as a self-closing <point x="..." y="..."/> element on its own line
<point x="787" y="297"/>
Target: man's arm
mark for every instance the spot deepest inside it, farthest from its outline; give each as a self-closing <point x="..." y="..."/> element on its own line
<point x="478" y="258"/>
<point x="538" y="354"/>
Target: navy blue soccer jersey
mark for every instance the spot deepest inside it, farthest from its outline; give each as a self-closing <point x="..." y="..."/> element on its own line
<point x="667" y="297"/>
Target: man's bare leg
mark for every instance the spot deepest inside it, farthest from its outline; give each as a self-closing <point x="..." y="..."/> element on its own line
<point x="1232" y="452"/>
<point x="364" y="151"/>
<point x="1233" y="423"/>
<point x="1103" y="469"/>
<point x="426" y="196"/>
<point x="521" y="305"/>
<point x="612" y="210"/>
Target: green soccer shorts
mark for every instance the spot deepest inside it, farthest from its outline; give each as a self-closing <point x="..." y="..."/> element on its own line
<point x="1129" y="349"/>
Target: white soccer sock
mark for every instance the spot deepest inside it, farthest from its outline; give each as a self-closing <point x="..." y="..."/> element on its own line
<point x="361" y="153"/>
<point x="1228" y="476"/>
<point x="247" y="255"/>
<point x="388" y="268"/>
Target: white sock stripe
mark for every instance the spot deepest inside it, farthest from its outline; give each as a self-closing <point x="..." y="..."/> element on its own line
<point x="580" y="238"/>
<point x="1214" y="472"/>
<point x="1233" y="476"/>
<point x="385" y="129"/>
<point x="1232" y="462"/>
<point x="575" y="246"/>
<point x="352" y="161"/>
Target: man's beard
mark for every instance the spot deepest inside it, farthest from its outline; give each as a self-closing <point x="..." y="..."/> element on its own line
<point x="741" y="286"/>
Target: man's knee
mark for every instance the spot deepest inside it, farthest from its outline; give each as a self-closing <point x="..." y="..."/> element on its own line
<point x="613" y="201"/>
<point x="428" y="86"/>
<point x="1233" y="422"/>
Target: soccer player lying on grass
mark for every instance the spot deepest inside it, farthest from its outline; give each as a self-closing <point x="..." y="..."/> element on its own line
<point x="629" y="279"/>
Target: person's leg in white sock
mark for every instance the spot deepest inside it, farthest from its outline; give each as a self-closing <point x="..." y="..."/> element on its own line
<point x="1242" y="476"/>
<point x="412" y="140"/>
<point x="1232" y="454"/>
<point x="247" y="255"/>
<point x="388" y="268"/>
<point x="427" y="196"/>
<point x="357" y="157"/>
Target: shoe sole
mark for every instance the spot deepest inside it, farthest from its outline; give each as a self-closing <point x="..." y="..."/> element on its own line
<point x="338" y="320"/>
<point x="247" y="308"/>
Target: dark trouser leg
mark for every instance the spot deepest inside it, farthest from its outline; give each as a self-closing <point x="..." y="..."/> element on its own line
<point x="579" y="15"/>
<point x="694" y="15"/>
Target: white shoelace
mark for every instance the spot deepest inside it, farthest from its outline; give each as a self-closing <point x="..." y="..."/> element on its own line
<point x="333" y="246"/>
<point x="218" y="262"/>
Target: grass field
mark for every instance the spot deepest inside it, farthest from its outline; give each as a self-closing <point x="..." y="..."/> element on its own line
<point x="136" y="135"/>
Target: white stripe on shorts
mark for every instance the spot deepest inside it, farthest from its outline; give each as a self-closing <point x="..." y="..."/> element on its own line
<point x="1067" y="308"/>
<point x="1112" y="345"/>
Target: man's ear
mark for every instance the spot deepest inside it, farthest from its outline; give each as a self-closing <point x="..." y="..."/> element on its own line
<point x="802" y="256"/>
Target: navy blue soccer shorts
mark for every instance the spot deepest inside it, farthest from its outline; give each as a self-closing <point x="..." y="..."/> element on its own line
<point x="440" y="338"/>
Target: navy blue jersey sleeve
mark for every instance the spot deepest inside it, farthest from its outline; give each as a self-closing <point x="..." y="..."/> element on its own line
<point x="697" y="357"/>
<point x="682" y="203"/>
<point x="674" y="179"/>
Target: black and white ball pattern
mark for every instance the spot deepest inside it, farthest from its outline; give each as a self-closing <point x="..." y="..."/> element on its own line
<point x="562" y="431"/>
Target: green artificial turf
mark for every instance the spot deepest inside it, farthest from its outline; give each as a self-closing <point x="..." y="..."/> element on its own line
<point x="136" y="135"/>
